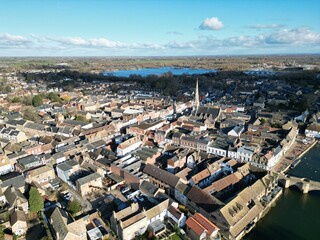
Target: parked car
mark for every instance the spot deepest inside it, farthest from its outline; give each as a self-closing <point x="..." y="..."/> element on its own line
<point x="103" y="230"/>
<point x="97" y="222"/>
<point x="140" y="198"/>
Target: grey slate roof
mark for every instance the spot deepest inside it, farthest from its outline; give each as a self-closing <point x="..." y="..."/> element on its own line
<point x="161" y="175"/>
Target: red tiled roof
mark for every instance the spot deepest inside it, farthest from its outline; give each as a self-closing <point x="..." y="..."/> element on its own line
<point x="209" y="226"/>
<point x="195" y="226"/>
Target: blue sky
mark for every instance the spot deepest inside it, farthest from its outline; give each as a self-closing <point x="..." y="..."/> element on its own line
<point x="158" y="28"/>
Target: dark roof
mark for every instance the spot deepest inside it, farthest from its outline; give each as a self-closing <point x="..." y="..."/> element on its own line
<point x="161" y="175"/>
<point x="148" y="187"/>
<point x="12" y="194"/>
<point x="28" y="160"/>
<point x="175" y="212"/>
<point x="17" y="182"/>
<point x="203" y="199"/>
<point x="17" y="216"/>
<point x="214" y="112"/>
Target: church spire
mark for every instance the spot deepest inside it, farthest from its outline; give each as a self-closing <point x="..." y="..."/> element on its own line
<point x="196" y="96"/>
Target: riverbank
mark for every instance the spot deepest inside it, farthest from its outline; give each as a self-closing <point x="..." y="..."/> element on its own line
<point x="296" y="216"/>
<point x="297" y="150"/>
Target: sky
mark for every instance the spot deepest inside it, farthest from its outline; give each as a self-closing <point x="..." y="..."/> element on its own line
<point x="158" y="27"/>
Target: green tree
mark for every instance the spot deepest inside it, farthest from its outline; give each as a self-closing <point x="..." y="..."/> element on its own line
<point x="16" y="99"/>
<point x="1" y="232"/>
<point x="37" y="101"/>
<point x="35" y="200"/>
<point x="74" y="207"/>
<point x="54" y="97"/>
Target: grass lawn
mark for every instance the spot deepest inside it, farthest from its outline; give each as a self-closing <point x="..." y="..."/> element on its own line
<point x="175" y="237"/>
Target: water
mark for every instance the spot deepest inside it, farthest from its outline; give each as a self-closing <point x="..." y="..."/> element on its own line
<point x="158" y="71"/>
<point x="296" y="216"/>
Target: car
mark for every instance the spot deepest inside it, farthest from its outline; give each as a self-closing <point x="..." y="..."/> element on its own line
<point x="97" y="222"/>
<point x="140" y="198"/>
<point x="103" y="230"/>
<point x="134" y="200"/>
<point x="124" y="190"/>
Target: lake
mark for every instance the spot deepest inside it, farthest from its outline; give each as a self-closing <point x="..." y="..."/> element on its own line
<point x="158" y="71"/>
<point x="296" y="216"/>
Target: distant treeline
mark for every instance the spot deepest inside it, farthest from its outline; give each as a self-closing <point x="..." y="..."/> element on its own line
<point x="169" y="84"/>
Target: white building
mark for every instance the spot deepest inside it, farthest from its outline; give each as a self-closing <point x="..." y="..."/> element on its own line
<point x="313" y="131"/>
<point x="128" y="146"/>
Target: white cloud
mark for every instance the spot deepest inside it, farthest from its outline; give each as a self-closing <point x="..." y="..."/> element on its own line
<point x="266" y="26"/>
<point x="211" y="24"/>
<point x="7" y="39"/>
<point x="174" y="33"/>
<point x="296" y="36"/>
<point x="292" y="40"/>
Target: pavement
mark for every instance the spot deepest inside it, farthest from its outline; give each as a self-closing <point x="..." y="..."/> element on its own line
<point x="296" y="149"/>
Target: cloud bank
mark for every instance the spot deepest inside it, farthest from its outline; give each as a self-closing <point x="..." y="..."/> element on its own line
<point x="302" y="39"/>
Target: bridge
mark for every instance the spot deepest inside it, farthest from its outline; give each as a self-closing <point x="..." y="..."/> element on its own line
<point x="304" y="184"/>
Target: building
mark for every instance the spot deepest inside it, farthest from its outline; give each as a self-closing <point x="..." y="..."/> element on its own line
<point x="88" y="183"/>
<point x="161" y="178"/>
<point x="42" y="175"/>
<point x="28" y="162"/>
<point x="131" y="222"/>
<point x="128" y="146"/>
<point x="313" y="130"/>
<point x="66" y="169"/>
<point x="65" y="228"/>
<point x="199" y="227"/>
<point x="18" y="222"/>
<point x="15" y="199"/>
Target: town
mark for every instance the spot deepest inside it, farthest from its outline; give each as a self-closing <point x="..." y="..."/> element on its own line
<point x="117" y="158"/>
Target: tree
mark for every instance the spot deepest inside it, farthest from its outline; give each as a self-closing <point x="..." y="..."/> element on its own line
<point x="54" y="97"/>
<point x="73" y="207"/>
<point x="35" y="200"/>
<point x="37" y="101"/>
<point x="16" y="99"/>
<point x="30" y="114"/>
<point x="1" y="232"/>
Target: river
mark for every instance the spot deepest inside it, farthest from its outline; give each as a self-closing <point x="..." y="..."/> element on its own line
<point x="158" y="71"/>
<point x="296" y="216"/>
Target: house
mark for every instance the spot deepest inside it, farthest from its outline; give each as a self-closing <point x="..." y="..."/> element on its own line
<point x="199" y="227"/>
<point x="18" y="222"/>
<point x="41" y="175"/>
<point x="131" y="221"/>
<point x="206" y="176"/>
<point x="86" y="184"/>
<point x="17" y="182"/>
<point x="151" y="191"/>
<point x="236" y="131"/>
<point x="13" y="135"/>
<point x="66" y="169"/>
<point x="175" y="217"/>
<point x="28" y="162"/>
<point x="202" y="202"/>
<point x="5" y="165"/>
<point x="128" y="146"/>
<point x="313" y="130"/>
<point x="15" y="199"/>
<point x="245" y="153"/>
<point x="65" y="228"/>
<point x="161" y="178"/>
<point x="218" y="147"/>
